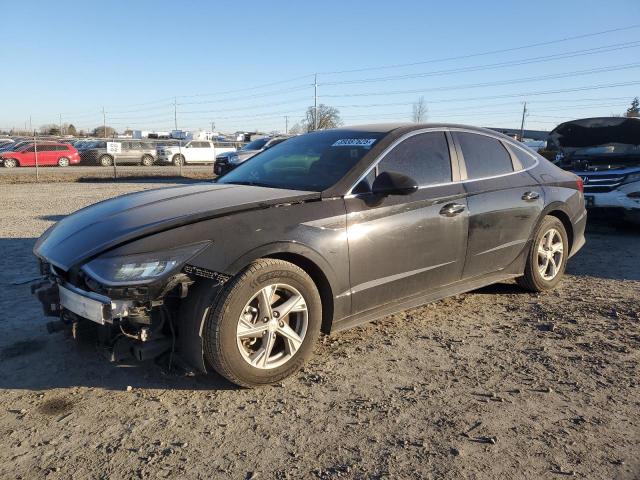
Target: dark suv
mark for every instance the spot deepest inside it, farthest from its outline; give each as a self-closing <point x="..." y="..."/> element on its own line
<point x="227" y="161"/>
<point x="133" y="152"/>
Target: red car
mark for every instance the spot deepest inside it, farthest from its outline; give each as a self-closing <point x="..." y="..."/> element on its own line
<point x="49" y="153"/>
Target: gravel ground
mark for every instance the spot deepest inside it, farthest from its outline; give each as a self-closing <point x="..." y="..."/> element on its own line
<point x="497" y="383"/>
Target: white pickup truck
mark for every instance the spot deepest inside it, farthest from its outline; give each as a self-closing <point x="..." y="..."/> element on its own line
<point x="195" y="151"/>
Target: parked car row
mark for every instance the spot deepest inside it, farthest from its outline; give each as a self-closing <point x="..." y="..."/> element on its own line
<point x="16" y="153"/>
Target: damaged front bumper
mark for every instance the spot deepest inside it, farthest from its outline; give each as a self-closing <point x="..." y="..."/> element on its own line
<point x="137" y="322"/>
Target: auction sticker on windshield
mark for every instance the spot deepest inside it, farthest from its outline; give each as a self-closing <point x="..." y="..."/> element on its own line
<point x="354" y="142"/>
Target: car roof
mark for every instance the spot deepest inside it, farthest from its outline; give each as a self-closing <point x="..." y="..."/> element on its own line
<point x="407" y="127"/>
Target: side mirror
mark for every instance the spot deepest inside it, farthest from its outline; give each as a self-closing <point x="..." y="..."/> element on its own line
<point x="393" y="183"/>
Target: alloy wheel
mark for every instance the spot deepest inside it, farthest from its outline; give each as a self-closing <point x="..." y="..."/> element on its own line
<point x="550" y="254"/>
<point x="272" y="326"/>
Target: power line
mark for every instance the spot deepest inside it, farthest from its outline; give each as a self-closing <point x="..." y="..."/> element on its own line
<point x="611" y="68"/>
<point x="245" y="97"/>
<point x="490" y="52"/>
<point x="248" y="88"/>
<point x="539" y="59"/>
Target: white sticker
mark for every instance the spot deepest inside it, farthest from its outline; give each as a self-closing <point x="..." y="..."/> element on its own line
<point x="354" y="142"/>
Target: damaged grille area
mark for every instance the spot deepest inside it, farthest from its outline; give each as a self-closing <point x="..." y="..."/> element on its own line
<point x="204" y="273"/>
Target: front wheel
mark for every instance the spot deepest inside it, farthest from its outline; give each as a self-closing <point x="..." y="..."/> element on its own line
<point x="547" y="258"/>
<point x="264" y="325"/>
<point x="106" y="160"/>
<point x="178" y="160"/>
<point x="147" y="160"/>
<point x="10" y="163"/>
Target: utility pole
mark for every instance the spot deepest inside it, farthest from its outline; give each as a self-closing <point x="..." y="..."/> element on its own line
<point x="60" y="127"/>
<point x="524" y="114"/>
<point x="213" y="127"/>
<point x="315" y="102"/>
<point x="35" y="148"/>
<point x="286" y="124"/>
<point x="104" y="124"/>
<point x="175" y="123"/>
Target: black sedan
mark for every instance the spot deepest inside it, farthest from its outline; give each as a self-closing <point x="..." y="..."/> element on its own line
<point x="319" y="233"/>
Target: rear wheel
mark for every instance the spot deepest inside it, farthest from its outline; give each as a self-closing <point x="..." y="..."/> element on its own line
<point x="178" y="159"/>
<point x="264" y="325"/>
<point x="63" y="162"/>
<point x="547" y="258"/>
<point x="10" y="163"/>
<point x="147" y="160"/>
<point x="106" y="160"/>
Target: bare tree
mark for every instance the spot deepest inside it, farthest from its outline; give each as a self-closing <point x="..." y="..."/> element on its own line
<point x="420" y="109"/>
<point x="634" y="109"/>
<point x="328" y="117"/>
<point x="296" y="129"/>
<point x="103" y="132"/>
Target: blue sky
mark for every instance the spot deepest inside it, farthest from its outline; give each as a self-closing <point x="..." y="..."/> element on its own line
<point x="134" y="57"/>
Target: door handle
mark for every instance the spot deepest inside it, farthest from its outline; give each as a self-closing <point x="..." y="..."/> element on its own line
<point x="452" y="209"/>
<point x="530" y="196"/>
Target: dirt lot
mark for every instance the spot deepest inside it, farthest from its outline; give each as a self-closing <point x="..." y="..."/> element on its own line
<point x="497" y="383"/>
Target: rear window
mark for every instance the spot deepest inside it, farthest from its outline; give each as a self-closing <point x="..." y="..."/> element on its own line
<point x="484" y="156"/>
<point x="526" y="159"/>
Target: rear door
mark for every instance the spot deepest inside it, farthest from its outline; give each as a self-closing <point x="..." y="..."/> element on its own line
<point x="504" y="202"/>
<point x="200" y="152"/>
<point x="402" y="245"/>
<point x="208" y="152"/>
<point x="46" y="154"/>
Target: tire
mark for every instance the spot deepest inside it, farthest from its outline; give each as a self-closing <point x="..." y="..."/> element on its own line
<point x="239" y="311"/>
<point x="63" y="162"/>
<point x="178" y="160"/>
<point x="10" y="163"/>
<point x="106" y="160"/>
<point x="147" y="161"/>
<point x="542" y="273"/>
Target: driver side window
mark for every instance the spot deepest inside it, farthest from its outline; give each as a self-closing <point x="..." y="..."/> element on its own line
<point x="423" y="157"/>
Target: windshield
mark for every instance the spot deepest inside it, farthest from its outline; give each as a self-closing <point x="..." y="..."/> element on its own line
<point x="256" y="144"/>
<point x="311" y="162"/>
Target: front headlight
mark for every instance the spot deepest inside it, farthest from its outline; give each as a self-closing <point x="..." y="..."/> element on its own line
<point x="140" y="268"/>
<point x="633" y="177"/>
<point x="233" y="159"/>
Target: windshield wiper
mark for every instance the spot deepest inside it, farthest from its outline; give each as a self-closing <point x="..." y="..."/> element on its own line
<point x="251" y="184"/>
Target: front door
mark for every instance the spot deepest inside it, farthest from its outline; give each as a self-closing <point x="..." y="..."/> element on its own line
<point x="400" y="246"/>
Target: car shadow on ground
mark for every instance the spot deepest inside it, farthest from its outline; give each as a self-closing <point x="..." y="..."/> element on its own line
<point x="50" y="361"/>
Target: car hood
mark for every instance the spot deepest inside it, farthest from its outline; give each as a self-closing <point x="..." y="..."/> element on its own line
<point x="105" y="225"/>
<point x="224" y="155"/>
<point x="247" y="154"/>
<point x="591" y="132"/>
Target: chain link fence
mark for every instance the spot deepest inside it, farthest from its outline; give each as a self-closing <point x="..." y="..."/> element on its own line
<point x="53" y="158"/>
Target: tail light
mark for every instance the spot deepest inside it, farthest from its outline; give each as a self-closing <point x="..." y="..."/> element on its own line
<point x="580" y="184"/>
